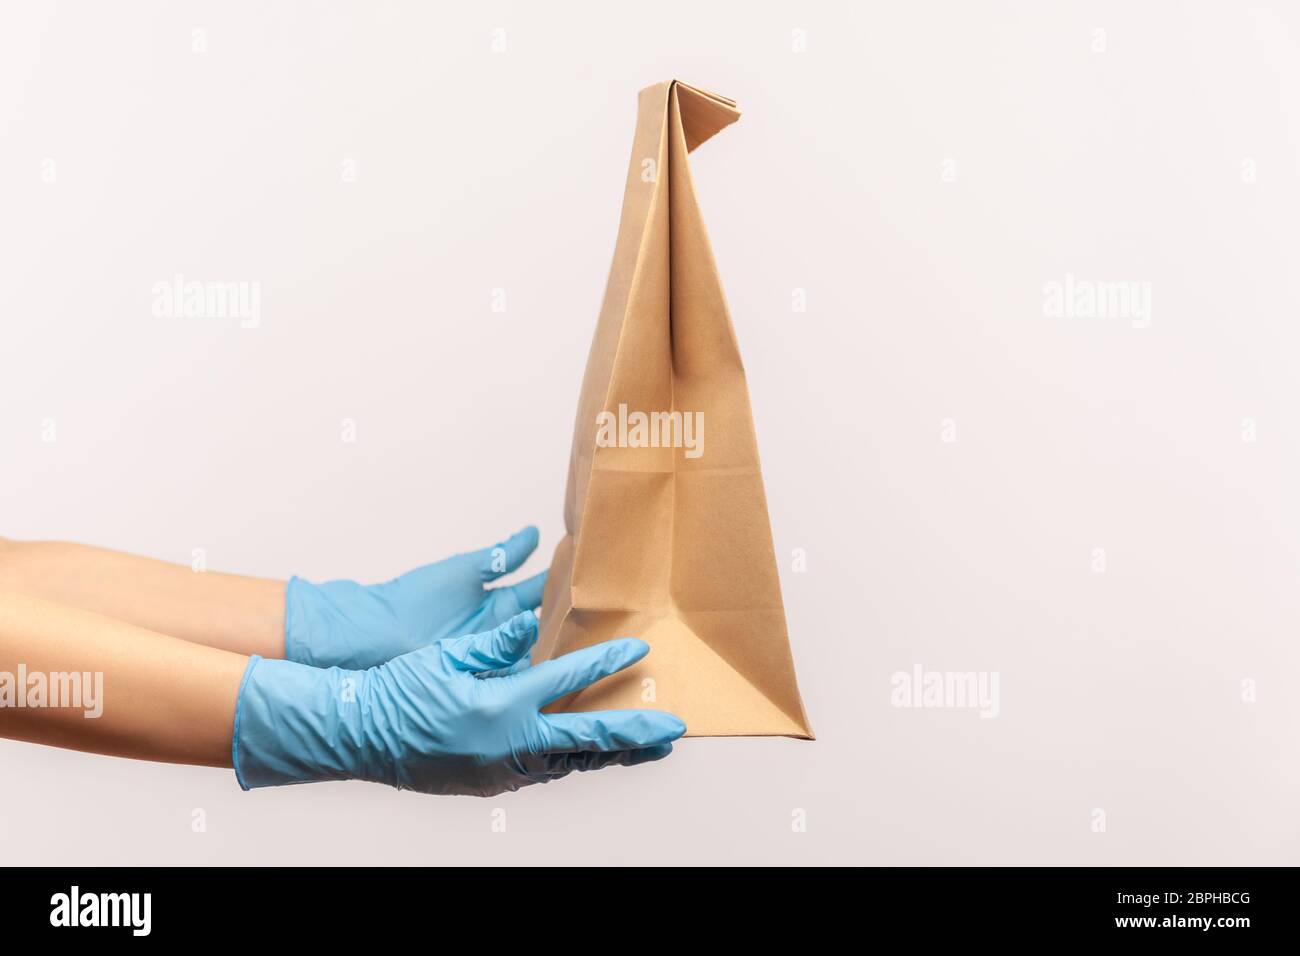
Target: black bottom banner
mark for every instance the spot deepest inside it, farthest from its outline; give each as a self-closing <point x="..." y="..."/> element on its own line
<point x="731" y="905"/>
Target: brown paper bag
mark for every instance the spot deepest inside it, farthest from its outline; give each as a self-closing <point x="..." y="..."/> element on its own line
<point x="668" y="536"/>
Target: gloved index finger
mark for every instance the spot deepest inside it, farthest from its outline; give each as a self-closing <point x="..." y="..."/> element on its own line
<point x="553" y="679"/>
<point x="507" y="555"/>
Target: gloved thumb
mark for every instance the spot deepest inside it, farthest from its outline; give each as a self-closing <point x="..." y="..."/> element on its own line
<point x="499" y="648"/>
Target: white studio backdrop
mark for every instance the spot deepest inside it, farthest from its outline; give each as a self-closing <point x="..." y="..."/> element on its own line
<point x="1099" y="509"/>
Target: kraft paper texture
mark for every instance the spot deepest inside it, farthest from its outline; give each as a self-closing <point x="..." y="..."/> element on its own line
<point x="669" y="544"/>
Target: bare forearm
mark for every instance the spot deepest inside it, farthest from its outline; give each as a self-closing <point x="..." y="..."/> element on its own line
<point x="158" y="698"/>
<point x="229" y="611"/>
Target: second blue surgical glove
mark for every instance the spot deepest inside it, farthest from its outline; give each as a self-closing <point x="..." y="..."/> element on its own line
<point x="461" y="716"/>
<point x="345" y="624"/>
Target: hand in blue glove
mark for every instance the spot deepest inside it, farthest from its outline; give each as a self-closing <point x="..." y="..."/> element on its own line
<point x="460" y="716"/>
<point x="345" y="624"/>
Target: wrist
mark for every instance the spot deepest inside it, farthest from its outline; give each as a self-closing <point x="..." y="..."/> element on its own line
<point x="301" y="599"/>
<point x="299" y="724"/>
<point x="339" y="624"/>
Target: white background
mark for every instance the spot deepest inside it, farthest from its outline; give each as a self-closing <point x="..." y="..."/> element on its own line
<point x="1120" y="691"/>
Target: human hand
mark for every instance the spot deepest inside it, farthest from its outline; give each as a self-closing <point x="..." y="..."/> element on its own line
<point x="460" y="716"/>
<point x="346" y="624"/>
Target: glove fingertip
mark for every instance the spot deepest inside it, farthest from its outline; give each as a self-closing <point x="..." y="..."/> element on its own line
<point x="675" y="725"/>
<point x="649" y="754"/>
<point x="523" y="624"/>
<point x="521" y="544"/>
<point x="506" y="556"/>
<point x="628" y="650"/>
<point x="519" y="635"/>
<point x="659" y="726"/>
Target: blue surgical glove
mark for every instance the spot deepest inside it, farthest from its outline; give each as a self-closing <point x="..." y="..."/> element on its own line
<point x="460" y="716"/>
<point x="345" y="624"/>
